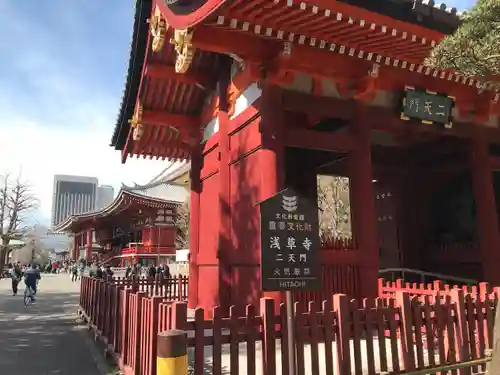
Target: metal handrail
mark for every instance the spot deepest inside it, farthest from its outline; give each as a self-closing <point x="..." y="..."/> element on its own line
<point x="431" y="274"/>
<point x="449" y="367"/>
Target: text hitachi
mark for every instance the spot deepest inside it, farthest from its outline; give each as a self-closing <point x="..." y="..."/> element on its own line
<point x="292" y="284"/>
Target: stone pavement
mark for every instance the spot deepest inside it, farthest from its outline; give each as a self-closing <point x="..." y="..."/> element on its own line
<point x="45" y="338"/>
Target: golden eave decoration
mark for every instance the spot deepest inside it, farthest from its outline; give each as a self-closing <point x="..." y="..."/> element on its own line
<point x="136" y="122"/>
<point x="158" y="27"/>
<point x="183" y="47"/>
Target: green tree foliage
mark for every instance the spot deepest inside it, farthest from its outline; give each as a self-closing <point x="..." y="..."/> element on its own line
<point x="474" y="49"/>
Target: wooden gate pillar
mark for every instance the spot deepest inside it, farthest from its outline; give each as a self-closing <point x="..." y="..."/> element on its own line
<point x="487" y="216"/>
<point x="272" y="153"/>
<point x="88" y="252"/>
<point x="194" y="227"/>
<point x="362" y="205"/>
<point x="225" y="244"/>
<point x="74" y="251"/>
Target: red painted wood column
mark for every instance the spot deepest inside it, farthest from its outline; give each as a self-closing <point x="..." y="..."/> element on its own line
<point x="194" y="227"/>
<point x="225" y="245"/>
<point x="88" y="246"/>
<point x="272" y="153"/>
<point x="74" y="251"/>
<point x="362" y="205"/>
<point x="486" y="211"/>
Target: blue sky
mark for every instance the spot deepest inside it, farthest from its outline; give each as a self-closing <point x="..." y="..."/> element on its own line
<point x="460" y="4"/>
<point x="62" y="69"/>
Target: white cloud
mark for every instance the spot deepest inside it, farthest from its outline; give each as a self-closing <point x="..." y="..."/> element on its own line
<point x="40" y="151"/>
<point x="58" y="107"/>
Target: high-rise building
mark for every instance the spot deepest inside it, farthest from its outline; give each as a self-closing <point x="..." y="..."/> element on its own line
<point x="72" y="195"/>
<point x="105" y="196"/>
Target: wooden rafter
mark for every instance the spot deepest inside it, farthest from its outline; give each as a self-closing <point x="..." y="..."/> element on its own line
<point x="339" y="67"/>
<point x="164" y="118"/>
<point x="163" y="71"/>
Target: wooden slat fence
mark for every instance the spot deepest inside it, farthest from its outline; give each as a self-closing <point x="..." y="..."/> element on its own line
<point x="385" y="336"/>
<point x="388" y="289"/>
<point x="175" y="287"/>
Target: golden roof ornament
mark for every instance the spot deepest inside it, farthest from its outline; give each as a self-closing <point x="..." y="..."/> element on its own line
<point x="185" y="50"/>
<point x="135" y="122"/>
<point x="158" y="28"/>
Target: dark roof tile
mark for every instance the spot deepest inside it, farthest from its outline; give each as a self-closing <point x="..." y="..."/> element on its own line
<point x="133" y="77"/>
<point x="425" y="13"/>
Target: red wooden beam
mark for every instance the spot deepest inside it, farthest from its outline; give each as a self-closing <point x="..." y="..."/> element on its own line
<point x="320" y="106"/>
<point x="384" y="119"/>
<point x="164" y="118"/>
<point x="494" y="163"/>
<point x="244" y="45"/>
<point x="306" y="138"/>
<point x="255" y="49"/>
<point x="163" y="71"/>
<point x="321" y="63"/>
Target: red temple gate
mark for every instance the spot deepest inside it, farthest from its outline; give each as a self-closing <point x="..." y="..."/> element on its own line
<point x="238" y="91"/>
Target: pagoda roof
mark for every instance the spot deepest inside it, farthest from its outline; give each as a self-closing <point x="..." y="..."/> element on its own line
<point x="426" y="13"/>
<point x="155" y="195"/>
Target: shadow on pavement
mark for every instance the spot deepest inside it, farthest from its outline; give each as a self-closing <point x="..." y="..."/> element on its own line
<point x="43" y="338"/>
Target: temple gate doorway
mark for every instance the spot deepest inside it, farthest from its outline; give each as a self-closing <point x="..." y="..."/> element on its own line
<point x="385" y="196"/>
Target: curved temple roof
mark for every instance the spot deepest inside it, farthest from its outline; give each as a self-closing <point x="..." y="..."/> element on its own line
<point x="435" y="19"/>
<point x="133" y="77"/>
<point x="163" y="193"/>
<point x="427" y="13"/>
<point x="172" y="172"/>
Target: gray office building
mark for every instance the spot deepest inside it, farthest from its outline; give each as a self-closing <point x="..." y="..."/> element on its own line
<point x="105" y="196"/>
<point x="72" y="195"/>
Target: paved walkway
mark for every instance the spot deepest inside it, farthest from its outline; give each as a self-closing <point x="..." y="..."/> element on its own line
<point x="45" y="338"/>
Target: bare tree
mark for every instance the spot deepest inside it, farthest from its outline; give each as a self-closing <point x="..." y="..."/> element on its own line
<point x="16" y="201"/>
<point x="33" y="251"/>
<point x="182" y="224"/>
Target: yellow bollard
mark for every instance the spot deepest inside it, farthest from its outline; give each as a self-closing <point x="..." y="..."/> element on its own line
<point x="171" y="356"/>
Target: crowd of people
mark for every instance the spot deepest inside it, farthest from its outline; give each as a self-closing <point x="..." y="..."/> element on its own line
<point x="152" y="270"/>
<point x="100" y="271"/>
<point x="31" y="272"/>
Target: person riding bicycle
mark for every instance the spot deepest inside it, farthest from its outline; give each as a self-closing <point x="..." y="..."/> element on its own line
<point x="31" y="276"/>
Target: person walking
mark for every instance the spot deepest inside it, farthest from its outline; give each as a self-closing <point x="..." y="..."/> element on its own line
<point x="98" y="272"/>
<point x="109" y="272"/>
<point x="152" y="271"/>
<point x="15" y="275"/>
<point x="82" y="270"/>
<point x="74" y="272"/>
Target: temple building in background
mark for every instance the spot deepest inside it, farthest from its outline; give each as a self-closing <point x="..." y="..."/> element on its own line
<point x="139" y="225"/>
<point x="177" y="172"/>
<point x="72" y="195"/>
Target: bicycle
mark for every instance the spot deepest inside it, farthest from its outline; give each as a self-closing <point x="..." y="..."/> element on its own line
<point x="29" y="293"/>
